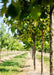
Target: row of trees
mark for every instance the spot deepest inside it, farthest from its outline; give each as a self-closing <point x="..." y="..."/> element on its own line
<point x="32" y="18"/>
<point x="9" y="42"/>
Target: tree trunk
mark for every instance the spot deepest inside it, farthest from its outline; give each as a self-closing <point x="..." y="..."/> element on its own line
<point x="51" y="41"/>
<point x="42" y="57"/>
<point x="0" y="53"/>
<point x="34" y="53"/>
<point x="0" y="49"/>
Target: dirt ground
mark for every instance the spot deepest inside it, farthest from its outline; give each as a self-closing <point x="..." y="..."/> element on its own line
<point x="28" y="68"/>
<point x="8" y="57"/>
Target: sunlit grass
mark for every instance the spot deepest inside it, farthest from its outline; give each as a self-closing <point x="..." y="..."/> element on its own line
<point x="46" y="59"/>
<point x="13" y="66"/>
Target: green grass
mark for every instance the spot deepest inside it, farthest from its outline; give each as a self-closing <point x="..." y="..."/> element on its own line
<point x="13" y="66"/>
<point x="46" y="59"/>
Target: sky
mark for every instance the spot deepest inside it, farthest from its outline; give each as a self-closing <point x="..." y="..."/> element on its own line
<point x="1" y="18"/>
<point x="6" y="27"/>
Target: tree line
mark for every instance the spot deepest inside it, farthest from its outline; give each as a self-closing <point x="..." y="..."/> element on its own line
<point x="32" y="18"/>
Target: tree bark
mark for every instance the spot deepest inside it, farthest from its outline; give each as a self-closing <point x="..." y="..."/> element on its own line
<point x="1" y="47"/>
<point x="0" y="53"/>
<point x="34" y="55"/>
<point x="34" y="52"/>
<point x="52" y="41"/>
<point x="42" y="57"/>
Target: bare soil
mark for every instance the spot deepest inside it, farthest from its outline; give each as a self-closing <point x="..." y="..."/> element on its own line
<point x="8" y="57"/>
<point x="29" y="70"/>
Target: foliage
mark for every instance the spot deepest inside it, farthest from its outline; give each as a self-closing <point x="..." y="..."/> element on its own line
<point x="33" y="18"/>
<point x="9" y="42"/>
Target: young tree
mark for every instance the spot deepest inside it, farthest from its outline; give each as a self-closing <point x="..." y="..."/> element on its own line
<point x="2" y="30"/>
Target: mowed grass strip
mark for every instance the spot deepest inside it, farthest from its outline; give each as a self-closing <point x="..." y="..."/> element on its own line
<point x="13" y="66"/>
<point x="46" y="59"/>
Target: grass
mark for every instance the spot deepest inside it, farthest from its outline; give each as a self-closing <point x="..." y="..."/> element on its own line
<point x="46" y="59"/>
<point x="13" y="66"/>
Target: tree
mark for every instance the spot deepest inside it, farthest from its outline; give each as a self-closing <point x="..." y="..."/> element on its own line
<point x="30" y="30"/>
<point x="52" y="41"/>
<point x="51" y="3"/>
<point x="37" y="4"/>
<point x="2" y="30"/>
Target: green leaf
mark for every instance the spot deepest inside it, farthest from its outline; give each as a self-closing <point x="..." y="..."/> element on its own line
<point x="35" y="12"/>
<point x="12" y="28"/>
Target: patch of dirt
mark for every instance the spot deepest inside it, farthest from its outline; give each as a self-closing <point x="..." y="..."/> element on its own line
<point x="45" y="54"/>
<point x="11" y="56"/>
<point x="29" y="70"/>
